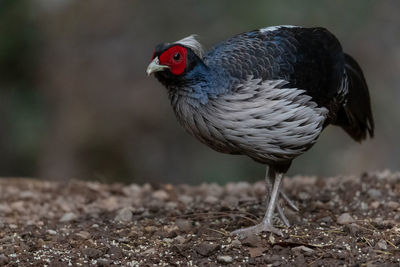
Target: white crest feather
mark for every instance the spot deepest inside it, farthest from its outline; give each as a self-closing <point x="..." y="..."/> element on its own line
<point x="274" y="28"/>
<point x="192" y="43"/>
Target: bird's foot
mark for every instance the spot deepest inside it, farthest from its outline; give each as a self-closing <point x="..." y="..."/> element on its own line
<point x="256" y="229"/>
<point x="290" y="202"/>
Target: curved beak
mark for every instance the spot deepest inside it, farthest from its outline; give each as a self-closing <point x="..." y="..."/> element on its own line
<point x="155" y="66"/>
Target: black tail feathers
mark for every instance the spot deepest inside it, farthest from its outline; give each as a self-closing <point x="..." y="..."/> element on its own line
<point x="355" y="117"/>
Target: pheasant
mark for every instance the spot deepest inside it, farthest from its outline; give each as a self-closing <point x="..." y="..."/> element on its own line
<point x="266" y="94"/>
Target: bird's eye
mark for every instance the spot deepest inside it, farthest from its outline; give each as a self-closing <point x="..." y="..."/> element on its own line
<point x="177" y="56"/>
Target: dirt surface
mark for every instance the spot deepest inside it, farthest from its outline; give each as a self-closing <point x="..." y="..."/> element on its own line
<point x="353" y="221"/>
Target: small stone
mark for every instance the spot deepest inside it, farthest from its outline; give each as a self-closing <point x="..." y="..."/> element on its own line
<point x="236" y="243"/>
<point x="5" y="208"/>
<point x="206" y="249"/>
<point x="26" y="195"/>
<point x="252" y="241"/>
<point x="374" y="193"/>
<point x="393" y="205"/>
<point x="304" y="195"/>
<point x="257" y="251"/>
<point x="328" y="220"/>
<point x="18" y="206"/>
<point x="3" y="260"/>
<point x="224" y="259"/>
<point x="211" y="200"/>
<point x="184" y="225"/>
<point x="185" y="199"/>
<point x="375" y="205"/>
<point x="180" y="239"/>
<point x="13" y="226"/>
<point x="51" y="232"/>
<point x="364" y="206"/>
<point x="92" y="253"/>
<point x="303" y="250"/>
<point x="67" y="217"/>
<point x="378" y="221"/>
<point x="160" y="195"/>
<point x="230" y="202"/>
<point x="345" y="218"/>
<point x="150" y="229"/>
<point x="110" y="203"/>
<point x="353" y="229"/>
<point x="124" y="215"/>
<point x="103" y="262"/>
<point x="170" y="205"/>
<point x="167" y="240"/>
<point x="382" y="244"/>
<point x="115" y="253"/>
<point x="83" y="234"/>
<point x="149" y="251"/>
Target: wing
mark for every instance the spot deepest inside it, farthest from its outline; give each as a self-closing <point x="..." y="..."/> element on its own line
<point x="308" y="58"/>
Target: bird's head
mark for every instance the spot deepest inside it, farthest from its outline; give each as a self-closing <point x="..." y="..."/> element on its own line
<point x="172" y="61"/>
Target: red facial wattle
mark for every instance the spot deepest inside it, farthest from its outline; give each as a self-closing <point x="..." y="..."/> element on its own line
<point x="175" y="58"/>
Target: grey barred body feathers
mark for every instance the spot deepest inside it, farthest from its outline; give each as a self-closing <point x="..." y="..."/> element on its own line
<point x="263" y="120"/>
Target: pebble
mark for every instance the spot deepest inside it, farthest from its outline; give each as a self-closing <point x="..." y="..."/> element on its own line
<point x="185" y="199"/>
<point x="3" y="260"/>
<point x="345" y="218"/>
<point x="150" y="229"/>
<point x="364" y="206"/>
<point x="252" y="241"/>
<point x="115" y="253"/>
<point x="236" y="243"/>
<point x="83" y="234"/>
<point x="375" y="205"/>
<point x="180" y="239"/>
<point x="352" y="229"/>
<point x="230" y="202"/>
<point x="393" y="205"/>
<point x="240" y="188"/>
<point x="5" y="208"/>
<point x="149" y="251"/>
<point x="110" y="203"/>
<point x="92" y="253"/>
<point x="303" y="250"/>
<point x="67" y="217"/>
<point x="124" y="215"/>
<point x="18" y="206"/>
<point x="224" y="259"/>
<point x="304" y="195"/>
<point x="382" y="244"/>
<point x="326" y="219"/>
<point x="374" y="193"/>
<point x="211" y="199"/>
<point x="184" y="225"/>
<point x="206" y="249"/>
<point x="51" y="232"/>
<point x="160" y="195"/>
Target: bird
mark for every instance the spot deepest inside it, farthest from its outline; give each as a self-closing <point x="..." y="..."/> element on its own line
<point x="266" y="94"/>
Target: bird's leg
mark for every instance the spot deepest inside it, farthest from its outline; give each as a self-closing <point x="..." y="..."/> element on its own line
<point x="268" y="188"/>
<point x="266" y="224"/>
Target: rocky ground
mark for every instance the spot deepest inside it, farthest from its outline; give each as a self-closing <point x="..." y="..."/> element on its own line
<point x="353" y="221"/>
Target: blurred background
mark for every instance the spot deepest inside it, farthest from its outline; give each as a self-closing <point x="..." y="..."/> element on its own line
<point x="75" y="101"/>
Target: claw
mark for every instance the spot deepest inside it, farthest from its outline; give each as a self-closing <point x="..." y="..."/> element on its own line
<point x="291" y="204"/>
<point x="282" y="215"/>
